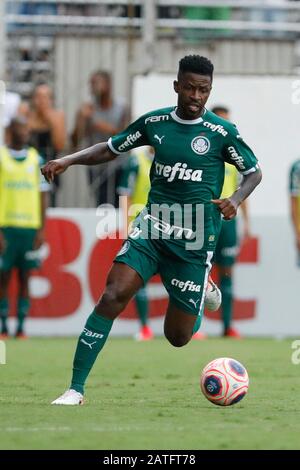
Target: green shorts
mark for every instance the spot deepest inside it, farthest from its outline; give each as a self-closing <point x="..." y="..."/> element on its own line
<point x="19" y="251"/>
<point x="184" y="281"/>
<point x="227" y="245"/>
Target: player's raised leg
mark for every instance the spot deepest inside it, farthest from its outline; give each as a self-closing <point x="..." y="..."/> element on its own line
<point x="186" y="284"/>
<point x="122" y="283"/>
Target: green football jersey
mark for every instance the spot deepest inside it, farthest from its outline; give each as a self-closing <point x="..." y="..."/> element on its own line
<point x="190" y="155"/>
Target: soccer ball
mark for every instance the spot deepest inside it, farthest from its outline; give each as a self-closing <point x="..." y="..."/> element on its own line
<point x="224" y="381"/>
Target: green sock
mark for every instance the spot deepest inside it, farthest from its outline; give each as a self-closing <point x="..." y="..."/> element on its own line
<point x="22" y="312"/>
<point x="198" y="321"/>
<point x="4" y="308"/>
<point x="90" y="343"/>
<point x="227" y="300"/>
<point x="142" y="305"/>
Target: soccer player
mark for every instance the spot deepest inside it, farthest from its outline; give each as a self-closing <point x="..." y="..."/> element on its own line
<point x="23" y="201"/>
<point x="176" y="233"/>
<point x="295" y="203"/>
<point x="227" y="246"/>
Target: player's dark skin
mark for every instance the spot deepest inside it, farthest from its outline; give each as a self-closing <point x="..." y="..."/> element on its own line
<point x="123" y="282"/>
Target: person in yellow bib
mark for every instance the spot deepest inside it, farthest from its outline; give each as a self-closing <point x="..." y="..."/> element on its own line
<point x="23" y="201"/>
<point x="134" y="186"/>
<point x="228" y="247"/>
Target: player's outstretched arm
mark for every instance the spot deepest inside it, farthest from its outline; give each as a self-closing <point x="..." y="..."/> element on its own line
<point x="229" y="206"/>
<point x="99" y="153"/>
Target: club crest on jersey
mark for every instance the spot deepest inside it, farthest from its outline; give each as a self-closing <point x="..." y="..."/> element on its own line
<point x="200" y="145"/>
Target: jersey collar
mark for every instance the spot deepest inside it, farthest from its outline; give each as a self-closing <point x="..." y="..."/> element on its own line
<point x="186" y="121"/>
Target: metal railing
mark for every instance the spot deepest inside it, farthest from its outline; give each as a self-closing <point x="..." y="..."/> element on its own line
<point x="138" y="19"/>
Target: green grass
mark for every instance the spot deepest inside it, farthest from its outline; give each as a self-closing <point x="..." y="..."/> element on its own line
<point x="147" y="396"/>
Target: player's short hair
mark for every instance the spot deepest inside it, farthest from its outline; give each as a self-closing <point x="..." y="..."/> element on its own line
<point x="196" y="64"/>
<point x="220" y="109"/>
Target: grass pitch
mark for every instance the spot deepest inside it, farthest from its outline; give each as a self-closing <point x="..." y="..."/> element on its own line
<point x="147" y="396"/>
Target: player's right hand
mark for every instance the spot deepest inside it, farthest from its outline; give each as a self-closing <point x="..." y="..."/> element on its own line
<point x="53" y="168"/>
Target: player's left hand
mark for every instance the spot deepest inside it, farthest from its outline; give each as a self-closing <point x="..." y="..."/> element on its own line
<point x="53" y="168"/>
<point x="228" y="207"/>
<point x="39" y="239"/>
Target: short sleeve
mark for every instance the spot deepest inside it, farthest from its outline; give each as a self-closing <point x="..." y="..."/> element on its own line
<point x="132" y="137"/>
<point x="238" y="153"/>
<point x="294" y="183"/>
<point x="128" y="176"/>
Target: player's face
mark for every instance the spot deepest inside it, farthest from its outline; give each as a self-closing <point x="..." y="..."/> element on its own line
<point x="193" y="91"/>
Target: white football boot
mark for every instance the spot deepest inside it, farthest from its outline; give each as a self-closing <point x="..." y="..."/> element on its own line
<point x="70" y="397"/>
<point x="213" y="296"/>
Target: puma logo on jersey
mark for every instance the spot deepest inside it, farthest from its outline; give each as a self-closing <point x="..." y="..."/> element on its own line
<point x="158" y="138"/>
<point x="194" y="302"/>
<point x="90" y="345"/>
<point x="179" y="171"/>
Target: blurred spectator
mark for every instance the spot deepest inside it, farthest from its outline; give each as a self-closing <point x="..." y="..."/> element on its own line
<point x="23" y="200"/>
<point x="96" y="121"/>
<point x="29" y="8"/>
<point x="204" y="13"/>
<point x="47" y="127"/>
<point x="38" y="8"/>
<point x="294" y="188"/>
<point x="268" y="15"/>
